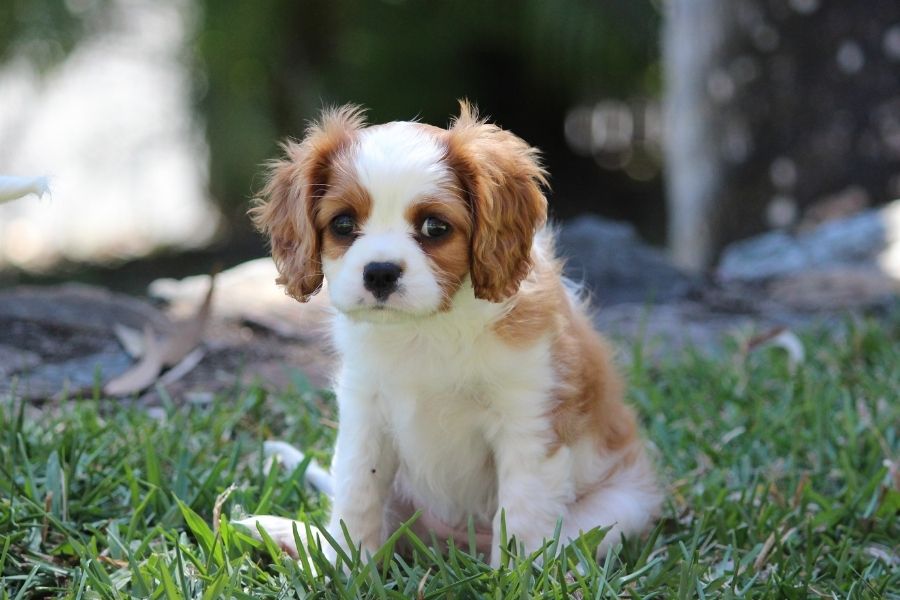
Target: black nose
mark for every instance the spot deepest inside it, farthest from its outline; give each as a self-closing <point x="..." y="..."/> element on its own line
<point x="380" y="278"/>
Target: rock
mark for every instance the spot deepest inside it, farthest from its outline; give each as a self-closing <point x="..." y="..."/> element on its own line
<point x="848" y="263"/>
<point x="768" y="255"/>
<point x="59" y="340"/>
<point x="664" y="331"/>
<point x="14" y="359"/>
<point x="833" y="207"/>
<point x="837" y="288"/>
<point x="71" y="378"/>
<point x="856" y="241"/>
<point x="616" y="265"/>
<point x="81" y="306"/>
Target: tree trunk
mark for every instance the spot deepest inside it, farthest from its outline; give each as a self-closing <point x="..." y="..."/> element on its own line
<point x="773" y="107"/>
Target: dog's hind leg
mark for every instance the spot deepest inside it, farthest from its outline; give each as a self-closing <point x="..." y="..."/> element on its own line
<point x="626" y="502"/>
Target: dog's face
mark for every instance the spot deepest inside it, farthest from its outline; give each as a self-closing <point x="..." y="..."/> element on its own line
<point x="398" y="217"/>
<point x="394" y="224"/>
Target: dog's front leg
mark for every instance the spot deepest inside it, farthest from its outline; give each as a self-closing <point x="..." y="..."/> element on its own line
<point x="534" y="480"/>
<point x="364" y="466"/>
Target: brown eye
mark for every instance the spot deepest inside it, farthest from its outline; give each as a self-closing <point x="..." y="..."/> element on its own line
<point x="343" y="225"/>
<point x="432" y="227"/>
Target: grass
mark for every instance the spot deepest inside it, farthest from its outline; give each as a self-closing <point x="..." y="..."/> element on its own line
<point x="779" y="485"/>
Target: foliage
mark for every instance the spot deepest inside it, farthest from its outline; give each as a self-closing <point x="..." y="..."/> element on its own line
<point x="269" y="66"/>
<point x="779" y="486"/>
<point x="261" y="70"/>
<point x="45" y="31"/>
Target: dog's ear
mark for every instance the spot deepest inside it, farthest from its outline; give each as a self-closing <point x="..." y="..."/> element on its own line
<point x="503" y="179"/>
<point x="285" y="210"/>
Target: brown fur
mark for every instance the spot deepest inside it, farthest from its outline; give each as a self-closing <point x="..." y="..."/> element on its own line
<point x="588" y="398"/>
<point x="286" y="210"/>
<point x="449" y="255"/>
<point x="534" y="310"/>
<point x="589" y="395"/>
<point x="494" y="217"/>
<point x="502" y="179"/>
<point x="344" y="196"/>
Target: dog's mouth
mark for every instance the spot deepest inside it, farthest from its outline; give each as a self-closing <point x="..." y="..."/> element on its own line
<point x="383" y="312"/>
<point x="381" y="315"/>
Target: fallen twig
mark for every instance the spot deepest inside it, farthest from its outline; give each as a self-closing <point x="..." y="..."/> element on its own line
<point x="178" y="351"/>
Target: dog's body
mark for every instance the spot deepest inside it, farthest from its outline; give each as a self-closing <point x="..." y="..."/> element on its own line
<point x="471" y="381"/>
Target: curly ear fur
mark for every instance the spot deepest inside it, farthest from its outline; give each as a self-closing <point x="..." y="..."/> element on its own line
<point x="503" y="178"/>
<point x="286" y="208"/>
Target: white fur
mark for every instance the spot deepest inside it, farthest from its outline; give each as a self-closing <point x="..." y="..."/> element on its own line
<point x="437" y="411"/>
<point x="458" y="420"/>
<point x="397" y="164"/>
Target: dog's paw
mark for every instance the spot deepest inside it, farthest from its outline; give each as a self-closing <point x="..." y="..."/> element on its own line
<point x="280" y="529"/>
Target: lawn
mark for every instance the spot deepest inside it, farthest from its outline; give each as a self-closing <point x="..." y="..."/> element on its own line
<point x="781" y="483"/>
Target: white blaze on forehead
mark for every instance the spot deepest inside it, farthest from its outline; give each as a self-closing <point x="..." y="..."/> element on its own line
<point x="398" y="163"/>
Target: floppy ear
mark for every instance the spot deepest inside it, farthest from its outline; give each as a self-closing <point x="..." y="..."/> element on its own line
<point x="503" y="179"/>
<point x="285" y="210"/>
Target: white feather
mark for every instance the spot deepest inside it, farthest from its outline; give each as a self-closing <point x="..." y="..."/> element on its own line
<point x="13" y="188"/>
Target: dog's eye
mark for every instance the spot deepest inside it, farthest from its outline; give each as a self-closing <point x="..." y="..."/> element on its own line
<point x="343" y="225"/>
<point x="432" y="227"/>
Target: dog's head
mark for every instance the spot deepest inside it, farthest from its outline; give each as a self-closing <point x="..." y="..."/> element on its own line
<point x="399" y="216"/>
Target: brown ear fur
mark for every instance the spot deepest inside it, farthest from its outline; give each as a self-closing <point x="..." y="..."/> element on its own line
<point x="503" y="179"/>
<point x="285" y="210"/>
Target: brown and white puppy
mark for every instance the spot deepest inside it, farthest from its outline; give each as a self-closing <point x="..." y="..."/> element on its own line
<point x="471" y="380"/>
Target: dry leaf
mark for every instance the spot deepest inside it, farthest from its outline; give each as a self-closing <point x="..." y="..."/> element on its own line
<point x="189" y="332"/>
<point x="178" y="351"/>
<point x="131" y="339"/>
<point x="186" y="365"/>
<point x="143" y="373"/>
<point x="770" y="544"/>
<point x="784" y="338"/>
<point x="120" y="564"/>
<point x="420" y="591"/>
<point x="217" y="507"/>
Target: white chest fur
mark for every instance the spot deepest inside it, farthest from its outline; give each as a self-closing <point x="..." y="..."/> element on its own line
<point x="440" y="388"/>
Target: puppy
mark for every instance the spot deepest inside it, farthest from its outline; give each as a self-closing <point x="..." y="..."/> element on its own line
<point x="471" y="383"/>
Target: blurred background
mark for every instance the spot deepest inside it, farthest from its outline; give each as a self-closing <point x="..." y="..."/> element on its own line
<point x="698" y="122"/>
